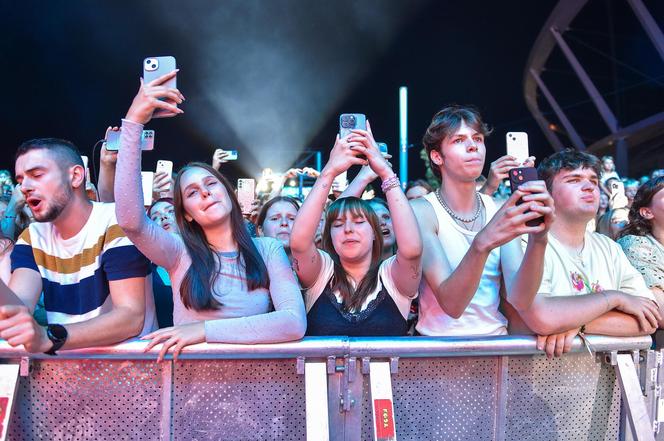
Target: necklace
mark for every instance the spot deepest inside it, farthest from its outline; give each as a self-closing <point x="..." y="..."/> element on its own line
<point x="456" y="216"/>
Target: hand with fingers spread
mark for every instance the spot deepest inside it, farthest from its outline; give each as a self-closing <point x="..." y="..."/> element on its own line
<point x="369" y="148"/>
<point x="499" y="171"/>
<point x="18" y="327"/>
<point x="153" y="97"/>
<point x="557" y="344"/>
<point x="311" y="172"/>
<point x="176" y="337"/>
<point x="644" y="310"/>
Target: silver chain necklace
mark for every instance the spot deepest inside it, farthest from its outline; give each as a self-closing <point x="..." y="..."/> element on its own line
<point x="456" y="216"/>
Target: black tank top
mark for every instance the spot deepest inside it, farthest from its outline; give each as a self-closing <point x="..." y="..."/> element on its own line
<point x="381" y="317"/>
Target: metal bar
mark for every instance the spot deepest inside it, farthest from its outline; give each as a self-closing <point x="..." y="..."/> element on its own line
<point x="315" y="381"/>
<point x="649" y="25"/>
<point x="544" y="125"/>
<point x="633" y="398"/>
<point x="622" y="158"/>
<point x="403" y="136"/>
<point x="569" y="128"/>
<point x="602" y="107"/>
<point x="165" y="429"/>
<point x="319" y="160"/>
<point x="502" y="387"/>
<point x="353" y="389"/>
<point x="649" y="383"/>
<point x="312" y="347"/>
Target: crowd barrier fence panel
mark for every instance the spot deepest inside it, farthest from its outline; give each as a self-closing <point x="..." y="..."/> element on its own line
<point x="491" y="388"/>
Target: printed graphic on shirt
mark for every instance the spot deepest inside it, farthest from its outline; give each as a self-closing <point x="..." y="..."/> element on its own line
<point x="581" y="284"/>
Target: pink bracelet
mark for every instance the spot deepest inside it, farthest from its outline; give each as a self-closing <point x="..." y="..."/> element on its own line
<point x="390" y="183"/>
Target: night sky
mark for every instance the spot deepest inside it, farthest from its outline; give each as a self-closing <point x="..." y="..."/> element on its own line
<point x="71" y="69"/>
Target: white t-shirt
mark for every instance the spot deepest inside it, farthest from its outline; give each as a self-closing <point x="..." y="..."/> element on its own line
<point x="384" y="278"/>
<point x="601" y="265"/>
<point x="482" y="316"/>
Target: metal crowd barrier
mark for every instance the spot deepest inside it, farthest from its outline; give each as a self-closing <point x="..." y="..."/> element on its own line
<point x="329" y="388"/>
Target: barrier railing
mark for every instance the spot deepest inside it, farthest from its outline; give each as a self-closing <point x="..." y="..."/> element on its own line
<point x="419" y="388"/>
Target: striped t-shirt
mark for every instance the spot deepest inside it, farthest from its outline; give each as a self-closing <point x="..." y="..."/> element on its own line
<point x="75" y="272"/>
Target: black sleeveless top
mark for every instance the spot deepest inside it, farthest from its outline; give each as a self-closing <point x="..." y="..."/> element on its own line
<point x="381" y="317"/>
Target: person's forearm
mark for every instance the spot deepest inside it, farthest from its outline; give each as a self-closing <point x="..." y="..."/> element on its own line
<point x="357" y="185"/>
<point x="488" y="189"/>
<point x="8" y="297"/>
<point x="455" y="293"/>
<point x="526" y="281"/>
<point x="553" y="315"/>
<point x="406" y="230"/>
<point x="615" y="323"/>
<point x="308" y="217"/>
<point x="117" y="325"/>
<point x="106" y="182"/>
<point x="129" y="204"/>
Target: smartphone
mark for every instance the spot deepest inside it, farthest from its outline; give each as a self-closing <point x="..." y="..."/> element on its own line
<point x="246" y="193"/>
<point x="520" y="176"/>
<point x="155" y="67"/>
<point x="146" y="182"/>
<point x="382" y="147"/>
<point x="618" y="199"/>
<point x="164" y="166"/>
<point x="232" y="154"/>
<point x="517" y="145"/>
<point x="113" y="140"/>
<point x="350" y="121"/>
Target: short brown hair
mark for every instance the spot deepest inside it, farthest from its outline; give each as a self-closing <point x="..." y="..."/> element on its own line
<point x="568" y="159"/>
<point x="445" y="123"/>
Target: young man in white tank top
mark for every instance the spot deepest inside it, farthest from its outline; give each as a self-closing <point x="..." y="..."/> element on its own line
<point x="470" y="245"/>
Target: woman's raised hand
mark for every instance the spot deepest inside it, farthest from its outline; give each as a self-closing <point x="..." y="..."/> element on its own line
<point x="369" y="148"/>
<point x="345" y="153"/>
<point x="155" y="100"/>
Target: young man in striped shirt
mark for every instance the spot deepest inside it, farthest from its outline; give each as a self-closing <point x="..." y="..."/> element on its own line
<point x="94" y="280"/>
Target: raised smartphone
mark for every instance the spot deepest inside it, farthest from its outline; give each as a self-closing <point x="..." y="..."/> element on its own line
<point x="146" y="183"/>
<point x="155" y="67"/>
<point x="164" y="166"/>
<point x="520" y="176"/>
<point x="113" y="140"/>
<point x="232" y="154"/>
<point x="617" y="199"/>
<point x="350" y="121"/>
<point x="517" y="145"/>
<point x="246" y="194"/>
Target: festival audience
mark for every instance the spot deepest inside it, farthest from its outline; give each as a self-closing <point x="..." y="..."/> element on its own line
<point x="227" y="287"/>
<point x="470" y="244"/>
<point x="350" y="289"/>
<point x="94" y="281"/>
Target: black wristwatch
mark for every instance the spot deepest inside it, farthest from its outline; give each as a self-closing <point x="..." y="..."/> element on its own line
<point x="58" y="335"/>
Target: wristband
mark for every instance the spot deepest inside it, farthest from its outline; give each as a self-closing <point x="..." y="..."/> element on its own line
<point x="390" y="183"/>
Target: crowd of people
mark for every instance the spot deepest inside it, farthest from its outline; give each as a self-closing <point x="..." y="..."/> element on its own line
<point x="84" y="265"/>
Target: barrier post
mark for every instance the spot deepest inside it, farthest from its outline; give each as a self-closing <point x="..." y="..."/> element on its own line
<point x="315" y="380"/>
<point x="634" y="402"/>
<point x="382" y="403"/>
<point x="8" y="381"/>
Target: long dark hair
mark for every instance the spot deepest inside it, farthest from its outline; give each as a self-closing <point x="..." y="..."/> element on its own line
<point x="353" y="298"/>
<point x="639" y="225"/>
<point x="198" y="284"/>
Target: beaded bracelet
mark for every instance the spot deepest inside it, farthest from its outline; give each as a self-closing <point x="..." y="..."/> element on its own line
<point x="390" y="183"/>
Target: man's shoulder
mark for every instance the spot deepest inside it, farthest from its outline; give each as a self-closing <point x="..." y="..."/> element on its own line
<point x="424" y="212"/>
<point x="601" y="243"/>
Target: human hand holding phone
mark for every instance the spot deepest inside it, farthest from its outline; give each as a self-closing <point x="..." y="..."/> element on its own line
<point x="154" y="96"/>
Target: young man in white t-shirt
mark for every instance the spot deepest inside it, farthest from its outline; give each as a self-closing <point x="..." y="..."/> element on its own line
<point x="469" y="243"/>
<point x="588" y="284"/>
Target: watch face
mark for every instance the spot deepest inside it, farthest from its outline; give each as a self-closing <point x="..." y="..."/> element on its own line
<point x="59" y="332"/>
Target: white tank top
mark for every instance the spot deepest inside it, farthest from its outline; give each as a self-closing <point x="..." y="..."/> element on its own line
<point x="481" y="317"/>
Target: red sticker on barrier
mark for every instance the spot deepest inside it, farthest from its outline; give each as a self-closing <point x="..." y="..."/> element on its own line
<point x="4" y="403"/>
<point x="384" y="420"/>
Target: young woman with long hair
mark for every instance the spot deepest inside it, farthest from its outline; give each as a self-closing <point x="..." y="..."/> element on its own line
<point x="227" y="287"/>
<point x="643" y="238"/>
<point x="350" y="290"/>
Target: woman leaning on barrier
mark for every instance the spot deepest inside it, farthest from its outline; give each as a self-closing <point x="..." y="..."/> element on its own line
<point x="224" y="282"/>
<point x="643" y="238"/>
<point x="350" y="289"/>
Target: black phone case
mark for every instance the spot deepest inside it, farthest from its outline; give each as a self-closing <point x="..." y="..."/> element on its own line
<point x="520" y="176"/>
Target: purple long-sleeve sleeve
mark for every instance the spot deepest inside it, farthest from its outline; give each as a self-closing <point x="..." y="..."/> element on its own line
<point x="158" y="245"/>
